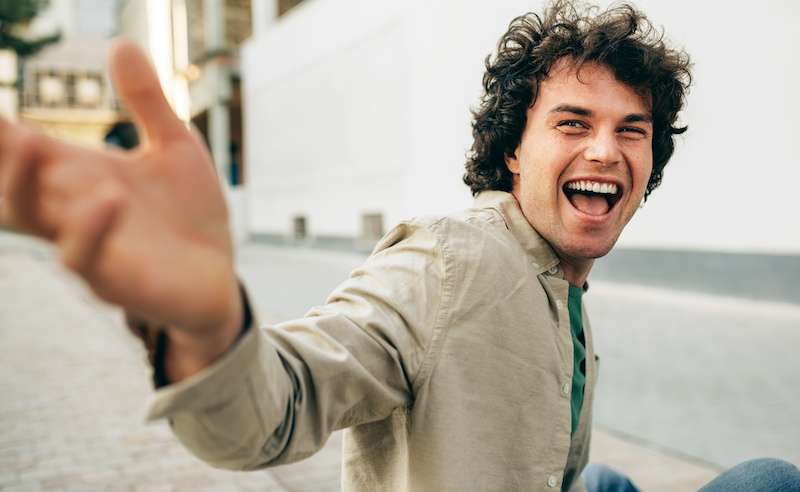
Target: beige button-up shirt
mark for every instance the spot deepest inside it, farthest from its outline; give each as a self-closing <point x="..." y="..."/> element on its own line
<point x="447" y="357"/>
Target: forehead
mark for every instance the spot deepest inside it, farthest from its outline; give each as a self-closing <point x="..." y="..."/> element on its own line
<point x="592" y="86"/>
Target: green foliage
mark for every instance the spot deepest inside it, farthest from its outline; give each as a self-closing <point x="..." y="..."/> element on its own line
<point x="14" y="16"/>
<point x="20" y="11"/>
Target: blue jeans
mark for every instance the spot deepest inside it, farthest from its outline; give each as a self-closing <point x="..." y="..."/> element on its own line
<point x="761" y="475"/>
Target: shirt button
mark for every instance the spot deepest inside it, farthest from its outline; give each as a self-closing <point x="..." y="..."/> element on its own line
<point x="553" y="270"/>
<point x="565" y="389"/>
<point x="552" y="481"/>
<point x="560" y="304"/>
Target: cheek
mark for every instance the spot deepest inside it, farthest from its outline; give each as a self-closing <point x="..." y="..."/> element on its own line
<point x="642" y="169"/>
<point x="542" y="160"/>
<point x="532" y="178"/>
<point x="542" y="169"/>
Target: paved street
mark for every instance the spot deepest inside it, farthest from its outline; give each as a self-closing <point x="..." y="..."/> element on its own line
<point x="713" y="378"/>
<point x="74" y="382"/>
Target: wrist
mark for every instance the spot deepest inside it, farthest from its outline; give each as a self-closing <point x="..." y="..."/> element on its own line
<point x="187" y="352"/>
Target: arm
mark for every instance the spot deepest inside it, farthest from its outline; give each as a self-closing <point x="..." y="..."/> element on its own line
<point x="148" y="231"/>
<point x="280" y="392"/>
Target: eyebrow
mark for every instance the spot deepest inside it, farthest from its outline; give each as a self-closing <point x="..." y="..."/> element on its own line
<point x="631" y="118"/>
<point x="567" y="108"/>
<point x="637" y="118"/>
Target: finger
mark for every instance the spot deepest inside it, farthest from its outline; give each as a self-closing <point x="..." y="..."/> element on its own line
<point x="35" y="175"/>
<point x="20" y="142"/>
<point x="137" y="84"/>
<point x="21" y="205"/>
<point x="90" y="224"/>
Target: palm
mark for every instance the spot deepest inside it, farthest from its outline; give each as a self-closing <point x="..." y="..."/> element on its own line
<point x="172" y="243"/>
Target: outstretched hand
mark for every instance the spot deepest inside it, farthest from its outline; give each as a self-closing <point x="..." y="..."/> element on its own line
<point x="148" y="230"/>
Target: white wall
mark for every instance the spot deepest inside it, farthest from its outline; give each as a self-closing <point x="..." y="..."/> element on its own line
<point x="327" y="117"/>
<point x="356" y="106"/>
<point x="77" y="18"/>
<point x="731" y="185"/>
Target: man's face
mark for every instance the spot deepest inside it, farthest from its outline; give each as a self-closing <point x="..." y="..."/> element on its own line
<point x="582" y="165"/>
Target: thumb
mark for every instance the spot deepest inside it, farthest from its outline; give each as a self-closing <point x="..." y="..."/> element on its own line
<point x="138" y="86"/>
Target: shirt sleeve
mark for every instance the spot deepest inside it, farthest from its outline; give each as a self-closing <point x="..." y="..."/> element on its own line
<point x="280" y="392"/>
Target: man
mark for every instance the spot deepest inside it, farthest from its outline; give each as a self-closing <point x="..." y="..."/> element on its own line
<point x="459" y="356"/>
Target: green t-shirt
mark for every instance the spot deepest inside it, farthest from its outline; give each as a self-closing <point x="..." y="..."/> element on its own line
<point x="579" y="352"/>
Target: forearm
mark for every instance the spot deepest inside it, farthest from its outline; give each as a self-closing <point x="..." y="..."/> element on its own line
<point x="232" y="414"/>
<point x="279" y="392"/>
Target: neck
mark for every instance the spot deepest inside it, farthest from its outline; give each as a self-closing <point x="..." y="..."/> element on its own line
<point x="576" y="270"/>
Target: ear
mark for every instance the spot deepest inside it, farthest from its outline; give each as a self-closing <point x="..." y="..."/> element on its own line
<point x="512" y="162"/>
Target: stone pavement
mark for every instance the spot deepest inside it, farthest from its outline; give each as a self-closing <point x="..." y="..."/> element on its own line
<point x="75" y="386"/>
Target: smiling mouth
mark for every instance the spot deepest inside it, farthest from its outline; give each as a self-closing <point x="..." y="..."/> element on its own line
<point x="592" y="197"/>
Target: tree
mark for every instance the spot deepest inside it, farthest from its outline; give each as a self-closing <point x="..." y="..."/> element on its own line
<point x="15" y="16"/>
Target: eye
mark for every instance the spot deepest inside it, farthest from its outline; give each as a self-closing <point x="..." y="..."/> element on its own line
<point x="633" y="132"/>
<point x="572" y="126"/>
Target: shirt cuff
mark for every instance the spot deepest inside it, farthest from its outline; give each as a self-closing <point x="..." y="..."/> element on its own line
<point x="212" y="386"/>
<point x="235" y="413"/>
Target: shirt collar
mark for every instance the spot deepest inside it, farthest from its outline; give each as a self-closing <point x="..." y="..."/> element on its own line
<point x="534" y="244"/>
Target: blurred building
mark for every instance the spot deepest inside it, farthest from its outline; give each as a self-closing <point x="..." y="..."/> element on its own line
<point x="358" y="116"/>
<point x="8" y="81"/>
<point x="65" y="90"/>
<point x="194" y="45"/>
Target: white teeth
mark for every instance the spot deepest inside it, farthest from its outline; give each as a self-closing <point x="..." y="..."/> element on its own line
<point x="593" y="186"/>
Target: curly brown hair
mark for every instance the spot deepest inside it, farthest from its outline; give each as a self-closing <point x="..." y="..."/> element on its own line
<point x="620" y="38"/>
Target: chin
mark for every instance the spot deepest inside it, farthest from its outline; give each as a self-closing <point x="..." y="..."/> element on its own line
<point x="587" y="250"/>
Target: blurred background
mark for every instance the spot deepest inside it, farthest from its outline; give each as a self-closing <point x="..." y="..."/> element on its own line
<point x="331" y="120"/>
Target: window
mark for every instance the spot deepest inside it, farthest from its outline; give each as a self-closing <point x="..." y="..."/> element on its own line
<point x="371" y="226"/>
<point x="65" y="89"/>
<point x="299" y="227"/>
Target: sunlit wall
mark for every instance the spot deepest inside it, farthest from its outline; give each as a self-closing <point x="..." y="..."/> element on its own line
<point x="355" y="107"/>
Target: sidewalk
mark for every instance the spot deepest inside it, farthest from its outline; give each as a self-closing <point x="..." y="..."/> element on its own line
<point x="75" y="385"/>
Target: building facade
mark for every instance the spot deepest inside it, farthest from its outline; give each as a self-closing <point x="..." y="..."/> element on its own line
<point x="194" y="46"/>
<point x="67" y="93"/>
<point x="64" y="89"/>
<point x="358" y="113"/>
<point x="8" y="84"/>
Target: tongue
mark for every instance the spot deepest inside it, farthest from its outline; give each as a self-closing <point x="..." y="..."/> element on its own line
<point x="592" y="205"/>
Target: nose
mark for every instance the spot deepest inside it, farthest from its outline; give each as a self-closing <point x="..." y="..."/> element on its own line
<point x="603" y="149"/>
